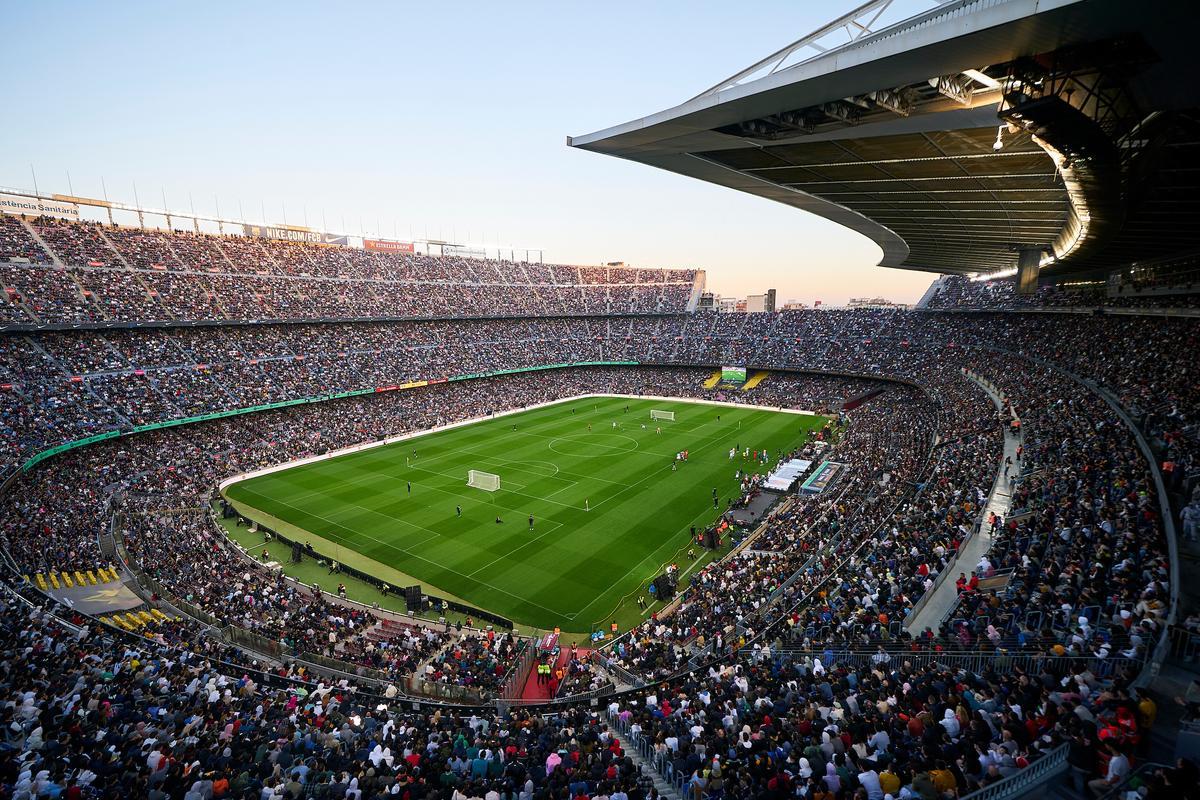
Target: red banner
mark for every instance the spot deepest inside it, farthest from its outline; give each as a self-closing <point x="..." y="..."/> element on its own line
<point x="388" y="246"/>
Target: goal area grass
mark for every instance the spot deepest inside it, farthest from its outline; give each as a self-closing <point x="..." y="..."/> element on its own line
<point x="595" y="473"/>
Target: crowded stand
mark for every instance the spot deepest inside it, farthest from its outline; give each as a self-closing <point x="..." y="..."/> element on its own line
<point x="84" y="272"/>
<point x="782" y="701"/>
<point x="956" y="293"/>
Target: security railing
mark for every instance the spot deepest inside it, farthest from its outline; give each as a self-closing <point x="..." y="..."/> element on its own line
<point x="659" y="762"/>
<point x="1133" y="779"/>
<point x="971" y="660"/>
<point x="515" y="680"/>
<point x="1023" y="782"/>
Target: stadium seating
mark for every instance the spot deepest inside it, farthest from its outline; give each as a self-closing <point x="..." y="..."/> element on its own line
<point x="93" y="274"/>
<point x="805" y="675"/>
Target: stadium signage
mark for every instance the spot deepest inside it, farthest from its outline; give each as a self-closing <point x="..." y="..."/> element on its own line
<point x="16" y="204"/>
<point x="294" y="234"/>
<point x="826" y="474"/>
<point x="388" y="246"/>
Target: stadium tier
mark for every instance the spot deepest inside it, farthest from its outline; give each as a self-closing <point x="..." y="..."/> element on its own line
<point x="57" y="272"/>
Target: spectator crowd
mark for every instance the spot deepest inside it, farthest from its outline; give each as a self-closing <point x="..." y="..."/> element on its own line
<point x="783" y="670"/>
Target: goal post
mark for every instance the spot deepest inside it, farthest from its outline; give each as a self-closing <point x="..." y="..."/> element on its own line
<point x="487" y="481"/>
<point x="669" y="416"/>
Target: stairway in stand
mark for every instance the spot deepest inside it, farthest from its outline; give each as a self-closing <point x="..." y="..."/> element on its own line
<point x="664" y="788"/>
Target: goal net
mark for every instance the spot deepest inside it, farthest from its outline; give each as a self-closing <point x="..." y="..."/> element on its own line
<point x="669" y="416"/>
<point x="483" y="480"/>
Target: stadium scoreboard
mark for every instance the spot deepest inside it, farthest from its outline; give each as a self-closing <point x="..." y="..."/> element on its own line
<point x="733" y="374"/>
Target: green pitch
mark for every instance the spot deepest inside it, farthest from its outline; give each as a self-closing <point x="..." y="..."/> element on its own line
<point x="609" y="511"/>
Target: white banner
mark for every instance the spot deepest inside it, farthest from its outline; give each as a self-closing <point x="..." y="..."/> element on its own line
<point x="31" y="206"/>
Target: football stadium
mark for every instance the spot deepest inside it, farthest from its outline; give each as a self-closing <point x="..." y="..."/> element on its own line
<point x="290" y="511"/>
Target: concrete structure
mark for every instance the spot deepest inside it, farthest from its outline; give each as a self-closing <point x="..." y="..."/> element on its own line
<point x="960" y="137"/>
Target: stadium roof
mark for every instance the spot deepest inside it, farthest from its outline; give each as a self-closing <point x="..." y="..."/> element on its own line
<point x="893" y="133"/>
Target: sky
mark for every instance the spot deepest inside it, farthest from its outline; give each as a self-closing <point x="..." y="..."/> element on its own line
<point x="439" y="120"/>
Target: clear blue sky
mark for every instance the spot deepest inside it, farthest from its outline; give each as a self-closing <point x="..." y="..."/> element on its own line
<point x="441" y="118"/>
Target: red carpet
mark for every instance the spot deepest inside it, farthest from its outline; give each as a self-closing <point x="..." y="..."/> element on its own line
<point x="541" y="691"/>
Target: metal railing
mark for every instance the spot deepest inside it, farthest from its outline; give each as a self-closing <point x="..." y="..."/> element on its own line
<point x="1022" y="783"/>
<point x="660" y="763"/>
<point x="1134" y="778"/>
<point x="515" y="681"/>
<point x="973" y="661"/>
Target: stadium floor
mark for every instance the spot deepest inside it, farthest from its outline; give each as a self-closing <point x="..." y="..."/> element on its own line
<point x="609" y="511"/>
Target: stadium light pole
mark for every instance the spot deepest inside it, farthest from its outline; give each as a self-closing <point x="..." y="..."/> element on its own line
<point x="104" y="189"/>
<point x="138" y="203"/>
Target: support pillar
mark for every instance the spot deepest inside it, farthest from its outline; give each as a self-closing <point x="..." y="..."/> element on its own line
<point x="1028" y="261"/>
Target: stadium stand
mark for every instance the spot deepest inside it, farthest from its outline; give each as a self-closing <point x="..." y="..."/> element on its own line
<point x="93" y="274"/>
<point x="806" y="626"/>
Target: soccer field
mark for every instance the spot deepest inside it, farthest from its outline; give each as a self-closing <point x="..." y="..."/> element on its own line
<point x="608" y="509"/>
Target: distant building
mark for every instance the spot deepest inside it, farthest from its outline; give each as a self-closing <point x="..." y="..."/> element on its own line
<point x="752" y="303"/>
<point x="873" y="302"/>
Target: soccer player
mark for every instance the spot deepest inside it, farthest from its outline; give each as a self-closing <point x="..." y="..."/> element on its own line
<point x="614" y="423"/>
<point x="409" y="486"/>
<point x="458" y="511"/>
<point x="658" y="429"/>
<point x="589" y="427"/>
<point x="586" y="505"/>
<point x="531" y="522"/>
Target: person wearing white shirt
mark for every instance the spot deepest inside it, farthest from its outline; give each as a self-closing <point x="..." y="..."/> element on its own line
<point x="1118" y="768"/>
<point x="869" y="780"/>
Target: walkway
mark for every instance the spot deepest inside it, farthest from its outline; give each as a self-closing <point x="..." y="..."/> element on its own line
<point x="933" y="609"/>
<point x="638" y="756"/>
<point x="534" y="689"/>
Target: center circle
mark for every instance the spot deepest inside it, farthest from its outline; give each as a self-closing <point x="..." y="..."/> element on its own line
<point x="585" y="445"/>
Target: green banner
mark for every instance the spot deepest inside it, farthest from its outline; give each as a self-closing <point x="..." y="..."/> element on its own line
<point x="37" y="458"/>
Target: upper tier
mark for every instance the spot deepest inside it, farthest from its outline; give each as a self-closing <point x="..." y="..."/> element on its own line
<point x="59" y="272"/>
